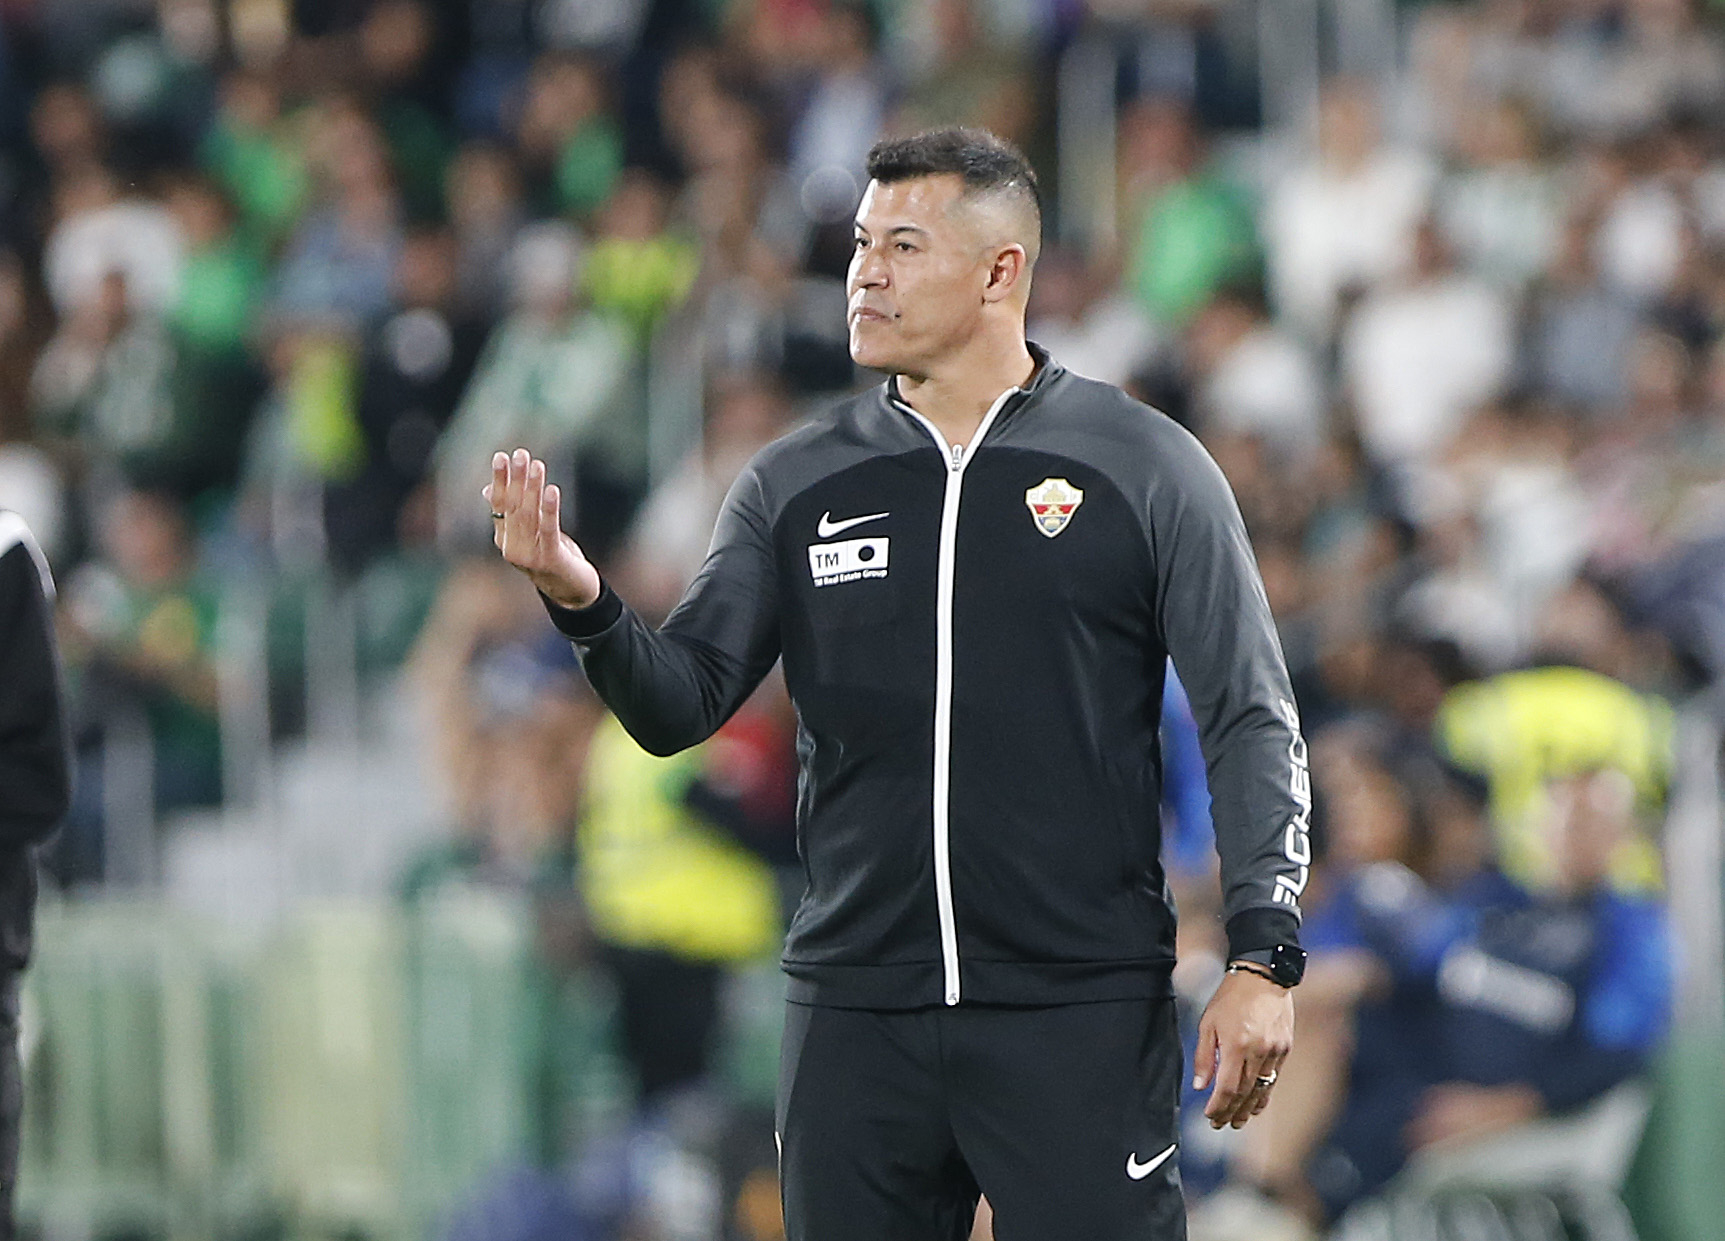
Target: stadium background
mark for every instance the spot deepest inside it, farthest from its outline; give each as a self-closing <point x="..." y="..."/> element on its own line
<point x="338" y="937"/>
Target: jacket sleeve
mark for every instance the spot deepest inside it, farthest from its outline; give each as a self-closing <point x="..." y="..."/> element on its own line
<point x="674" y="687"/>
<point x="35" y="764"/>
<point x="1216" y="624"/>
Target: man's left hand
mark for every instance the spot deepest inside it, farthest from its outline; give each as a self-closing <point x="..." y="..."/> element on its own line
<point x="1245" y="1034"/>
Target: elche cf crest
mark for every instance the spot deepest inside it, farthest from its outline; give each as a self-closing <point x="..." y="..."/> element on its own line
<point x="1052" y="503"/>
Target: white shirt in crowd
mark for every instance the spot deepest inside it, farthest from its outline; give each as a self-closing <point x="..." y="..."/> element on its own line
<point x="1420" y="358"/>
<point x="1325" y="230"/>
<point x="1266" y="386"/>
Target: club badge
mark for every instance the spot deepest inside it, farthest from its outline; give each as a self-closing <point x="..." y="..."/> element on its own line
<point x="1052" y="503"/>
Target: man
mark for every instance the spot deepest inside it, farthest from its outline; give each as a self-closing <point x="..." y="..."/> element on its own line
<point x="974" y="575"/>
<point x="35" y="787"/>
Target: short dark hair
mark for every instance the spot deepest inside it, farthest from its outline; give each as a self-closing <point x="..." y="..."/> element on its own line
<point x="986" y="162"/>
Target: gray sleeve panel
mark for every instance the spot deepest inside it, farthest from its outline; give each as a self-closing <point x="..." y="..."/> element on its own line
<point x="1215" y="622"/>
<point x="674" y="687"/>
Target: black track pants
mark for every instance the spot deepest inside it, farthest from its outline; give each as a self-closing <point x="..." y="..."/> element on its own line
<point x="891" y="1123"/>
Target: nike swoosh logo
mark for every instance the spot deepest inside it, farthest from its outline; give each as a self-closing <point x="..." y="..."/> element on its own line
<point x="827" y="527"/>
<point x="1138" y="1171"/>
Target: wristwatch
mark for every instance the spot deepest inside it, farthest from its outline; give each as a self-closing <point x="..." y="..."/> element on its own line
<point x="1285" y="962"/>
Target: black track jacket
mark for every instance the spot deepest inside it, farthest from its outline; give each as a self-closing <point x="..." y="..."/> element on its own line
<point x="975" y="641"/>
<point x="35" y="765"/>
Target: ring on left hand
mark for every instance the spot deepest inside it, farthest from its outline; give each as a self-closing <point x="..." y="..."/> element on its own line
<point x="1268" y="1080"/>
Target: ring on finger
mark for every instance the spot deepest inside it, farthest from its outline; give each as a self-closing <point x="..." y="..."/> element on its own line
<point x="1267" y="1080"/>
<point x="496" y="516"/>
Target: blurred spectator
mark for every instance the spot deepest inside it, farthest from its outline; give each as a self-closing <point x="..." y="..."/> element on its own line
<point x="841" y="114"/>
<point x="1344" y="220"/>
<point x="66" y="126"/>
<point x="104" y="381"/>
<point x="30" y="480"/>
<point x="1617" y="79"/>
<point x="1569" y="713"/>
<point x="753" y="237"/>
<point x="477" y="610"/>
<point x="1579" y="330"/>
<point x="1501" y="211"/>
<point x="1660" y="536"/>
<point x="1537" y="1004"/>
<point x="746" y="208"/>
<point x="413" y="368"/>
<point x="1639" y="240"/>
<point x="1251" y="378"/>
<point x="668" y="544"/>
<point x="257" y="155"/>
<point x="117" y="389"/>
<point x="639" y="268"/>
<point x="140" y="628"/>
<point x="569" y="143"/>
<point x="395" y="43"/>
<point x="341" y="258"/>
<point x="1454" y="595"/>
<point x="1370" y="1034"/>
<point x="97" y="232"/>
<point x="550" y="373"/>
<point x="306" y="435"/>
<point x="963" y="71"/>
<point x="514" y="721"/>
<point x="671" y="899"/>
<point x="486" y="214"/>
<point x="1094" y="329"/>
<point x="1421" y="354"/>
<point x="21" y="335"/>
<point x="1516" y="465"/>
<point x="1193" y="231"/>
<point x="1446" y="1002"/>
<point x="224" y="275"/>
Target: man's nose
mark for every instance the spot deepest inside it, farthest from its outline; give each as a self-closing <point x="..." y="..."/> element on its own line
<point x="868" y="270"/>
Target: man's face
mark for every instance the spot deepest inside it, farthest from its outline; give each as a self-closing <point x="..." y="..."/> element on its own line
<point x="917" y="274"/>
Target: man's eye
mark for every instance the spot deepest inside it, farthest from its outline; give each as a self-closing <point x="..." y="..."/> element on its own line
<point x="906" y="246"/>
<point x="859" y="242"/>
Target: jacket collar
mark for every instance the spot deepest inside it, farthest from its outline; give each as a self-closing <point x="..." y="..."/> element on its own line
<point x="1047" y="371"/>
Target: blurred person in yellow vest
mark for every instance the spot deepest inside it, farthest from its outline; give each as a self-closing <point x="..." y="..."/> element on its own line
<point x="672" y="896"/>
<point x="1577" y="709"/>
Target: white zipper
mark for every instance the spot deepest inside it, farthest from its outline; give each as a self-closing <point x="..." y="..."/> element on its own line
<point x="957" y="457"/>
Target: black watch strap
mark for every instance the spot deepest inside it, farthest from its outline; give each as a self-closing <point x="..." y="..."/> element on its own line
<point x="1284" y="964"/>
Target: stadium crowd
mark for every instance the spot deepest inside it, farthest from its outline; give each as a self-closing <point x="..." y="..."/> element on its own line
<point x="276" y="278"/>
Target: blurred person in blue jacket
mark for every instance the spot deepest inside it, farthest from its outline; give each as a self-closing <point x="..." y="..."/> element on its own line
<point x="1365" y="1030"/>
<point x="1493" y="1004"/>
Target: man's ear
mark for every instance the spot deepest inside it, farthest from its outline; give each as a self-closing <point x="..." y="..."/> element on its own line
<point x="1006" y="273"/>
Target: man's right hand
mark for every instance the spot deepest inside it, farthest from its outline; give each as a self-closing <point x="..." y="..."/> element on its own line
<point x="526" y="526"/>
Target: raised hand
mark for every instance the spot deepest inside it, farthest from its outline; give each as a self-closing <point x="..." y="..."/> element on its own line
<point x="526" y="526"/>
